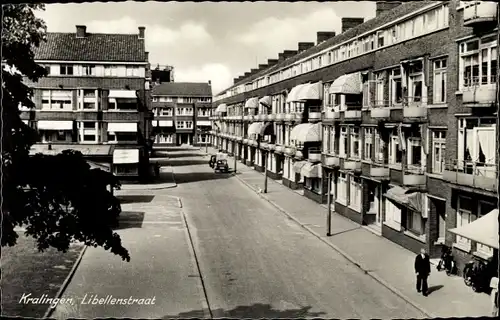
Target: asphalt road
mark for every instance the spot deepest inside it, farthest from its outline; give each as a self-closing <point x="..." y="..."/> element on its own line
<point x="256" y="263"/>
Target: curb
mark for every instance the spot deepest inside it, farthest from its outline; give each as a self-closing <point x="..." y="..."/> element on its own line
<point x="344" y="254"/>
<point x="65" y="284"/>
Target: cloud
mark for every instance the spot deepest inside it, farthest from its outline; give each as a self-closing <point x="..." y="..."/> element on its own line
<point x="275" y="34"/>
<point x="217" y="73"/>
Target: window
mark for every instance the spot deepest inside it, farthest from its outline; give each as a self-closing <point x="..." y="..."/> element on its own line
<point x="478" y="61"/>
<point x="439" y="92"/>
<point x="89" y="70"/>
<point x="189" y="124"/>
<point x="395" y="152"/>
<point x="343" y="142"/>
<point x="326" y="138"/>
<point x="47" y="68"/>
<point x="438" y="149"/>
<point x="464" y="217"/>
<point x="66" y="69"/>
<point x="380" y="39"/>
<point x="180" y="124"/>
<point x="355" y="145"/>
<point x="379" y="89"/>
<point x="477" y="146"/>
<point x="89" y="138"/>
<point x="342" y="188"/>
<point x="483" y="209"/>
<point x="61" y="135"/>
<point x="415" y="222"/>
<point x="131" y="71"/>
<point x="110" y="71"/>
<point x="355" y="193"/>
<point x="378" y="147"/>
<point x="57" y="100"/>
<point x="396" y="87"/>
<point x="331" y="140"/>
<point x="368" y="144"/>
<point x="392" y="214"/>
<point x="414" y="157"/>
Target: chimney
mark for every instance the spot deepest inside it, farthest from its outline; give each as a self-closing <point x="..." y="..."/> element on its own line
<point x="322" y="36"/>
<point x="281" y="57"/>
<point x="349" y="23"/>
<point x="246" y="74"/>
<point x="253" y="71"/>
<point x="147" y="56"/>
<point x="81" y="31"/>
<point x="303" y="46"/>
<point x="383" y="6"/>
<point x="289" y="53"/>
<point x="141" y="32"/>
<point x="235" y="80"/>
<point x="272" y="62"/>
<point x="263" y="66"/>
<point x="209" y="82"/>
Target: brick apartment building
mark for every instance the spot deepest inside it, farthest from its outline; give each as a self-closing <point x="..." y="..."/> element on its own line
<point x="398" y="111"/>
<point x="181" y="113"/>
<point x="94" y="99"/>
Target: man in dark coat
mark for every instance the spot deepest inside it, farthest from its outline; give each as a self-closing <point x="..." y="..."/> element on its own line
<point x="422" y="269"/>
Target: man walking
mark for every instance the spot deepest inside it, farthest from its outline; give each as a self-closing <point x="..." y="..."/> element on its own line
<point x="422" y="269"/>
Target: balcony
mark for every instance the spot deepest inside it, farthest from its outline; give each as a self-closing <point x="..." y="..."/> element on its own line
<point x="479" y="96"/>
<point x="415" y="109"/>
<point x="280" y="117"/>
<point x="331" y="115"/>
<point x="352" y="164"/>
<point x="290" y="151"/>
<point x="299" y="155"/>
<point x="264" y="145"/>
<point x="380" y="113"/>
<point x="245" y="141"/>
<point x="331" y="161"/>
<point x="472" y="174"/>
<point x="271" y="117"/>
<point x="289" y="117"/>
<point x="480" y="13"/>
<point x="352" y="115"/>
<point x="414" y="176"/>
<point x="314" y="114"/>
<point x="377" y="170"/>
<point x="271" y="146"/>
<point x="298" y="117"/>
<point x="279" y="149"/>
<point x="314" y="156"/>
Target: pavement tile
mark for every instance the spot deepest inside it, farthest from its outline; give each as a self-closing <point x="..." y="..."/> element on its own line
<point x="380" y="257"/>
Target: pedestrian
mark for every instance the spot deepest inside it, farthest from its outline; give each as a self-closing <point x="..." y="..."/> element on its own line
<point x="422" y="270"/>
<point x="157" y="169"/>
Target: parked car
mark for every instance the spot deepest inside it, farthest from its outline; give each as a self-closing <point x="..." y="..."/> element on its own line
<point x="221" y="166"/>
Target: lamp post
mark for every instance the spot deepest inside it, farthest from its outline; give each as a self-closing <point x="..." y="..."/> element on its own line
<point x="265" y="171"/>
<point x="329" y="214"/>
<point x="235" y="161"/>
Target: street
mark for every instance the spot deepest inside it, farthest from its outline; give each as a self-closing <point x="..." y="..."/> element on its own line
<point x="254" y="261"/>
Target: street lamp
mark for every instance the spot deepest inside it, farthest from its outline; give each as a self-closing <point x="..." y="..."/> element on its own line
<point x="329" y="214"/>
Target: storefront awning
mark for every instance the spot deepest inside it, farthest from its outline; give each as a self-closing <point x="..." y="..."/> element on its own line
<point x="203" y="123"/>
<point x="347" y="84"/>
<point x="267" y="129"/>
<point x="255" y="128"/>
<point x="252" y="103"/>
<point x="409" y="198"/>
<point x="292" y="96"/>
<point x="121" y="156"/>
<point x="55" y="125"/>
<point x="221" y="108"/>
<point x="124" y="94"/>
<point x="483" y="230"/>
<point x="311" y="91"/>
<point x="122" y="127"/>
<point x="103" y="166"/>
<point x="306" y="132"/>
<point x="311" y="170"/>
<point x="161" y="123"/>
<point x="297" y="166"/>
<point x="266" y="101"/>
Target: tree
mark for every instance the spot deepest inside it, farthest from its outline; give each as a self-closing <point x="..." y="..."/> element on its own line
<point x="58" y="198"/>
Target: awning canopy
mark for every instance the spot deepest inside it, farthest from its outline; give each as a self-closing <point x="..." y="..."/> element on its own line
<point x="306" y="132"/>
<point x="255" y="128"/>
<point x="409" y="198"/>
<point x="252" y="103"/>
<point x="292" y="96"/>
<point x="122" y="126"/>
<point x="266" y="101"/>
<point x="121" y="156"/>
<point x="221" y="108"/>
<point x="161" y="123"/>
<point x="203" y="123"/>
<point x="347" y="84"/>
<point x="267" y="129"/>
<point x="311" y="170"/>
<point x="311" y="91"/>
<point x="484" y="230"/>
<point x="297" y="166"/>
<point x="55" y="125"/>
<point x="96" y="165"/>
<point x="126" y="94"/>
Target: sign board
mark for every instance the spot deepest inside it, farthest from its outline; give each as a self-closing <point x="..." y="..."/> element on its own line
<point x="126" y="156"/>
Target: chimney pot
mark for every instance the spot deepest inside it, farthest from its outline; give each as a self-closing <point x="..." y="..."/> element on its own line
<point x="349" y="23"/>
<point x="141" y="32"/>
<point x="81" y="31"/>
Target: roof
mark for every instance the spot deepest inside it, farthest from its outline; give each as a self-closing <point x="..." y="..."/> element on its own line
<point x="384" y="18"/>
<point x="86" y="150"/>
<point x="183" y="89"/>
<point x="93" y="47"/>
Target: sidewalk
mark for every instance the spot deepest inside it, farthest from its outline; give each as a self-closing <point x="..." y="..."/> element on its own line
<point x="385" y="261"/>
<point x="166" y="180"/>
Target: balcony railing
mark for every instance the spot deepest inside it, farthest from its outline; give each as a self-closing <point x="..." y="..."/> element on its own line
<point x="480" y="12"/>
<point x="280" y="117"/>
<point x="331" y="160"/>
<point x="414" y="176"/>
<point x="290" y="150"/>
<point x="380" y="113"/>
<point x="314" y="114"/>
<point x="473" y="174"/>
<point x="352" y="114"/>
<point x="352" y="164"/>
<point x="279" y="149"/>
<point x="379" y="170"/>
<point x="480" y="90"/>
<point x="314" y="155"/>
<point x="331" y="115"/>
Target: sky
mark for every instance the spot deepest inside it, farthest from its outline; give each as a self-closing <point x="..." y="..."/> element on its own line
<point x="216" y="41"/>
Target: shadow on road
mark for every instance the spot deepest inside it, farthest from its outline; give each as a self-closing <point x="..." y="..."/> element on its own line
<point x="177" y="155"/>
<point x="431" y="289"/>
<point x="255" y="311"/>
<point x="130" y="219"/>
<point x="199" y="176"/>
<point x="180" y="162"/>
<point x="135" y="199"/>
<point x="174" y="149"/>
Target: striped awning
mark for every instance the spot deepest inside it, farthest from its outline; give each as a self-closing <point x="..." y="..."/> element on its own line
<point x="306" y="132"/>
<point x="255" y="128"/>
<point x="297" y="166"/>
<point x="266" y="101"/>
<point x="125" y="94"/>
<point x="347" y="84"/>
<point x="121" y="156"/>
<point x="221" y="108"/>
<point x="122" y="126"/>
<point x="311" y="170"/>
<point x="311" y="91"/>
<point x="252" y="103"/>
<point x="163" y="123"/>
<point x="292" y="96"/>
<point x="483" y="230"/>
<point x="55" y="125"/>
